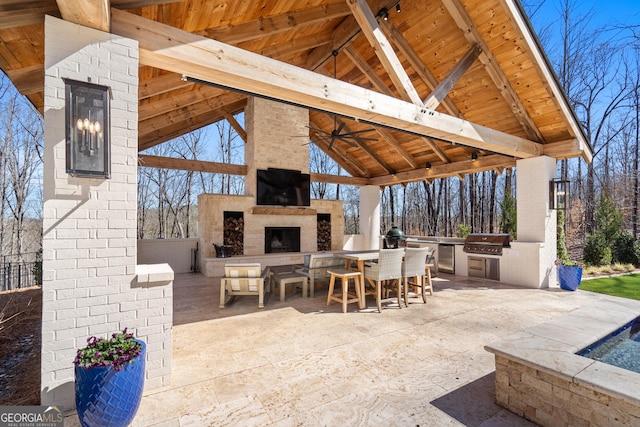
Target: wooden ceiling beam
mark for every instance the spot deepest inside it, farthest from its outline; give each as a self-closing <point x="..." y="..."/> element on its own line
<point x="190" y="123"/>
<point x="338" y="179"/>
<point x="393" y="142"/>
<point x="28" y="80"/>
<point x="473" y="36"/>
<point x="149" y="161"/>
<point x="296" y="46"/>
<point x="366" y="69"/>
<point x="418" y="66"/>
<point x="218" y="104"/>
<point x="135" y="4"/>
<point x="90" y="13"/>
<point x="566" y="150"/>
<point x="235" y="125"/>
<point x="175" y="50"/>
<point x="438" y="94"/>
<point x="160" y="84"/>
<point x="360" y="143"/>
<point x="436" y="149"/>
<point x="446" y="170"/>
<point x="262" y="27"/>
<point x="160" y="107"/>
<point x="341" y="157"/>
<point x="383" y="49"/>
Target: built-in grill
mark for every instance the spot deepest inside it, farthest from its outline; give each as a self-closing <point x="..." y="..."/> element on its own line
<point x="487" y="244"/>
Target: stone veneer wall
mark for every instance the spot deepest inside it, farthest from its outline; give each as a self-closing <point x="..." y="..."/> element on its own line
<point x="90" y="284"/>
<point x="549" y="400"/>
<point x="273" y="131"/>
<point x="211" y="208"/>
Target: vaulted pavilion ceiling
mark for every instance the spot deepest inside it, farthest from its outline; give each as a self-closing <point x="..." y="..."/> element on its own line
<point x="438" y="81"/>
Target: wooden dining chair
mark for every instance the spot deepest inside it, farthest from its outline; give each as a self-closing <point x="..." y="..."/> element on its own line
<point x="388" y="268"/>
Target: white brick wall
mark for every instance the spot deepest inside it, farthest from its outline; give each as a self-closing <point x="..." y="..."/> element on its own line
<point x="89" y="227"/>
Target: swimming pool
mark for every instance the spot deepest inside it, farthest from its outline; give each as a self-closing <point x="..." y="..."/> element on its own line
<point x="541" y="377"/>
<point x="621" y="348"/>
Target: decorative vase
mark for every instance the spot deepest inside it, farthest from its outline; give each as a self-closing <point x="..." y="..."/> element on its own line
<point x="109" y="398"/>
<point x="569" y="277"/>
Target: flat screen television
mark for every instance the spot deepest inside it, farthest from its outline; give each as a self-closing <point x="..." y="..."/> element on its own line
<point x="283" y="187"/>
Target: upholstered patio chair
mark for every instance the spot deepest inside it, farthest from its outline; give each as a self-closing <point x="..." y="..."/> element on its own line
<point x="414" y="269"/>
<point x="387" y="269"/>
<point x="315" y="268"/>
<point x="244" y="279"/>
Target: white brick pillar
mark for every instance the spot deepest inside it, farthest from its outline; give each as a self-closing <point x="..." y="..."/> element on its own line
<point x="89" y="225"/>
<point x="536" y="222"/>
<point x="370" y="216"/>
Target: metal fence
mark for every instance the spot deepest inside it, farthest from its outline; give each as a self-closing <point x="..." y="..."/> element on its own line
<point x="20" y="271"/>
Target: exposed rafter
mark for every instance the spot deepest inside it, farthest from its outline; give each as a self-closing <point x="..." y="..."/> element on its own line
<point x="175" y="50"/>
<point x="470" y="32"/>
<point x="262" y="27"/>
<point x="416" y="63"/>
<point x="235" y="125"/>
<point x="383" y="50"/>
<point x="90" y="13"/>
<point x="190" y="165"/>
<point x="444" y="87"/>
<point x="441" y="171"/>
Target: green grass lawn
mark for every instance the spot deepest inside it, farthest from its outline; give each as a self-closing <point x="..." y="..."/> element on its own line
<point x="625" y="286"/>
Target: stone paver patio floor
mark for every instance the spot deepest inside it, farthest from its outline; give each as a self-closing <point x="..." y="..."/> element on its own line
<point x="301" y="363"/>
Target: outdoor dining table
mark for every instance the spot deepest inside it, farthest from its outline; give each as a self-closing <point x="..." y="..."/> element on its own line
<point x="360" y="257"/>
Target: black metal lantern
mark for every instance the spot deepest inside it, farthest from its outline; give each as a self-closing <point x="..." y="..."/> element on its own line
<point x="87" y="124"/>
<point x="394" y="238"/>
<point x="558" y="194"/>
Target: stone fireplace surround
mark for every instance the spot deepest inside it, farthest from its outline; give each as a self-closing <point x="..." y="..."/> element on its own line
<point x="271" y="142"/>
<point x="211" y="208"/>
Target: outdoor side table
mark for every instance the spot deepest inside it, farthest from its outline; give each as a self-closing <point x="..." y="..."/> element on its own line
<point x="284" y="279"/>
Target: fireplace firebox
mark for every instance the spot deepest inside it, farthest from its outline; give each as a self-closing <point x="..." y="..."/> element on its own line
<point x="281" y="239"/>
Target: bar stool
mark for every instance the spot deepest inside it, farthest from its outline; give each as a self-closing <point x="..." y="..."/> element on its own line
<point x="345" y="297"/>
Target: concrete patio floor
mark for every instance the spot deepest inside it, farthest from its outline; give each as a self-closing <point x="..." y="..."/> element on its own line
<point x="301" y="363"/>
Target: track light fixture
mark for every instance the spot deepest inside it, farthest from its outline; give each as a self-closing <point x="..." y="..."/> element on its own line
<point x="427" y="166"/>
<point x="474" y="156"/>
<point x="384" y="13"/>
<point x="398" y="8"/>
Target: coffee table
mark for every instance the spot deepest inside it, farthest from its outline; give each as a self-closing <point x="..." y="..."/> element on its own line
<point x="284" y="279"/>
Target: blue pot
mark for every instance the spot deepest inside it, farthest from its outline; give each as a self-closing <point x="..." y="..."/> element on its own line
<point x="569" y="277"/>
<point x="107" y="398"/>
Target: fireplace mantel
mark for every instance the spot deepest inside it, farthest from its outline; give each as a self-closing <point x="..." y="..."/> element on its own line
<point x="274" y="210"/>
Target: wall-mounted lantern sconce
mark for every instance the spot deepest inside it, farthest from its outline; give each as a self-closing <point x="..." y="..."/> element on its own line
<point x="87" y="118"/>
<point x="558" y="194"/>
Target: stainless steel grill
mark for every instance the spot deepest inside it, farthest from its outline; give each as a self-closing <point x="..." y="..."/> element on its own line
<point x="487" y="244"/>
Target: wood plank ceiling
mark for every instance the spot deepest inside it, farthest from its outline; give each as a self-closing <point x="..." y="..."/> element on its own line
<point x="434" y="88"/>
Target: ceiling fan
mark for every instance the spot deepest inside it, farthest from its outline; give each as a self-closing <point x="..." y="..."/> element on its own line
<point x="352" y="138"/>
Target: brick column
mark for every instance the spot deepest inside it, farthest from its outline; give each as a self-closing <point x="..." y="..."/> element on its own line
<point x="89" y="225"/>
<point x="370" y="216"/>
<point x="536" y="222"/>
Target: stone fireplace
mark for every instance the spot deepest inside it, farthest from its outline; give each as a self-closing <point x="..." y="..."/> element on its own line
<point x="271" y="143"/>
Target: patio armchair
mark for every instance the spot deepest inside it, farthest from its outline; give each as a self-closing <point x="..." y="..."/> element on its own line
<point x="388" y="269"/>
<point x="315" y="268"/>
<point x="414" y="268"/>
<point x="244" y="279"/>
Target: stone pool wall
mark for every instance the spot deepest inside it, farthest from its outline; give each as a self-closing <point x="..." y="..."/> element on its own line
<point x="549" y="400"/>
<point x="539" y="376"/>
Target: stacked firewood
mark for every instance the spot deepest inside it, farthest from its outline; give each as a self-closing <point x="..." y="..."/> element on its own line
<point x="324" y="235"/>
<point x="234" y="234"/>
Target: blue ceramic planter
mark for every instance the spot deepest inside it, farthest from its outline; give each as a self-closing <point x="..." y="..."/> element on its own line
<point x="106" y="398"/>
<point x="569" y="277"/>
